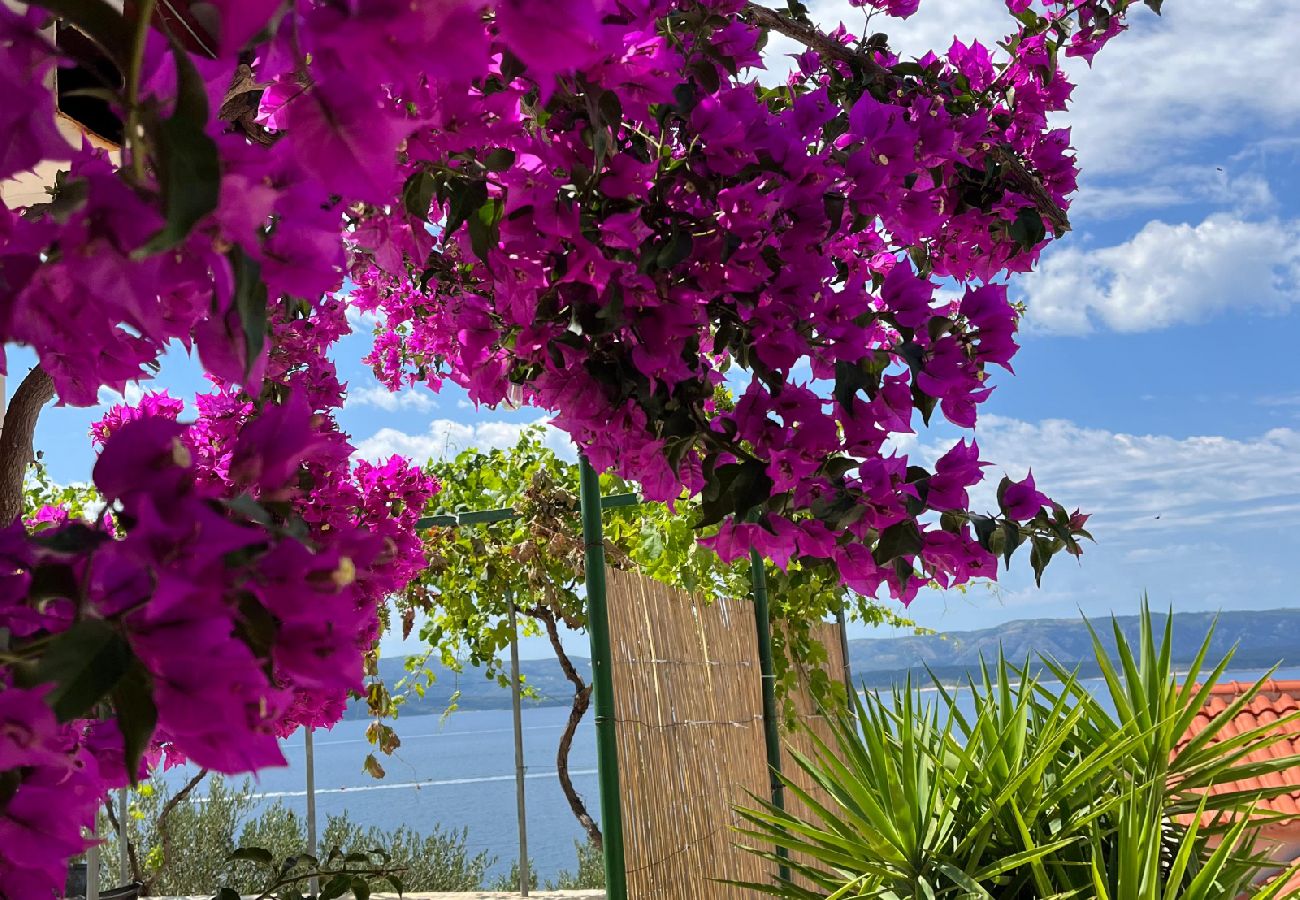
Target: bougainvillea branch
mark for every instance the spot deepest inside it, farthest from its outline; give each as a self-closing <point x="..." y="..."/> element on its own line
<point x="814" y="38"/>
<point x="16" y="435"/>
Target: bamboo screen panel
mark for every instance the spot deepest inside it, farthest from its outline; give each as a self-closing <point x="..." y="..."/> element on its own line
<point x="689" y="711"/>
<point x="811" y="719"/>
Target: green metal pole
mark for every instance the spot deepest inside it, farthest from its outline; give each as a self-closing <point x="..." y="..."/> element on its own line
<point x="771" y="727"/>
<point x="611" y="813"/>
<point x="844" y="651"/>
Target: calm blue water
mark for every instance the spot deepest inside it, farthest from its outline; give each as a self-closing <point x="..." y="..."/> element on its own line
<point x="459" y="773"/>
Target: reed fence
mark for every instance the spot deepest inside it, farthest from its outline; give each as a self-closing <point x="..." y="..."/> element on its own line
<point x="688" y="713"/>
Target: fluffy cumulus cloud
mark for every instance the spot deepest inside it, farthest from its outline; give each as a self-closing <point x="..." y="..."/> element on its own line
<point x="444" y="439"/>
<point x="376" y="395"/>
<point x="1168" y="274"/>
<point x="1200" y="522"/>
<point x="1205" y="69"/>
<point x="1141" y="487"/>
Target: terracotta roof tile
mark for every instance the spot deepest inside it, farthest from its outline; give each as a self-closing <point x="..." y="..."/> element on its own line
<point x="1275" y="701"/>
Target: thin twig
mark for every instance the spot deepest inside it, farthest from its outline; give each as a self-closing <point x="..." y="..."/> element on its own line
<point x="164" y="832"/>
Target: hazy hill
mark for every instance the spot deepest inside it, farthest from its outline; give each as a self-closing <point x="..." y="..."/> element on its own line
<point x="1263" y="638"/>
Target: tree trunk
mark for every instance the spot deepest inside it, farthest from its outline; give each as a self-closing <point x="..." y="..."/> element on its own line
<point x="164" y="832"/>
<point x="16" y="452"/>
<point x="581" y="700"/>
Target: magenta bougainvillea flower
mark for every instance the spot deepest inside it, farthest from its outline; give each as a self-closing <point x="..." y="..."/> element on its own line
<point x="737" y="292"/>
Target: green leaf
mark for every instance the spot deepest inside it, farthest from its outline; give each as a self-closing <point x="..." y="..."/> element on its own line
<point x="1028" y="230"/>
<point x="137" y="716"/>
<point x="485" y="228"/>
<point x="227" y="893"/>
<point x="256" y="627"/>
<point x="610" y="107"/>
<point x="1040" y="555"/>
<point x="834" y="203"/>
<point x="250" y="509"/>
<point x="675" y="249"/>
<point x="189" y="168"/>
<point x="85" y="663"/>
<point x="190" y="175"/>
<point x="1012" y="537"/>
<point x="417" y="194"/>
<point x="984" y="527"/>
<point x="360" y="888"/>
<point x="259" y="855"/>
<point x="396" y="882"/>
<point x="67" y="197"/>
<point x="1002" y="492"/>
<point x="335" y="887"/>
<point x="191" y="91"/>
<point x="465" y="198"/>
<point x="853" y="377"/>
<point x="75" y="539"/>
<point x="249" y="302"/>
<point x="499" y="160"/>
<point x="898" y="540"/>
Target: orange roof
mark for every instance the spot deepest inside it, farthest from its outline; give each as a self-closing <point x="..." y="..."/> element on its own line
<point x="1275" y="700"/>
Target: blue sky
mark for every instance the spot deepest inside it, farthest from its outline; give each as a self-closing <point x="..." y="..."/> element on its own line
<point x="1156" y="387"/>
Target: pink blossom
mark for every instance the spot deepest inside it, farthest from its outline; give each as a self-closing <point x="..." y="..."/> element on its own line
<point x="1022" y="500"/>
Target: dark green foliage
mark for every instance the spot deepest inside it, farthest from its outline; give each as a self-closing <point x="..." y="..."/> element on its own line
<point x="206" y="833"/>
<point x="590" y="873"/>
<point x="1039" y="793"/>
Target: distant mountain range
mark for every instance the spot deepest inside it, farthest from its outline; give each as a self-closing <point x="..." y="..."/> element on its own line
<point x="1262" y="638"/>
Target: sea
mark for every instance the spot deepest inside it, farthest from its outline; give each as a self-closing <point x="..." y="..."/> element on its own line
<point x="458" y="772"/>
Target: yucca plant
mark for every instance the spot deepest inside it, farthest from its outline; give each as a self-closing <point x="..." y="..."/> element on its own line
<point x="1040" y="792"/>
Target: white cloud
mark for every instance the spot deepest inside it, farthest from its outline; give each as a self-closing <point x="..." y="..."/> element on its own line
<point x="1200" y="522"/>
<point x="130" y="395"/>
<point x="1167" y="552"/>
<point x="445" y="438"/>
<point x="1246" y="192"/>
<point x="362" y="322"/>
<point x="1279" y="400"/>
<point x="1204" y="69"/>
<point x="1138" y="486"/>
<point x="1166" y="275"/>
<point x="377" y="395"/>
